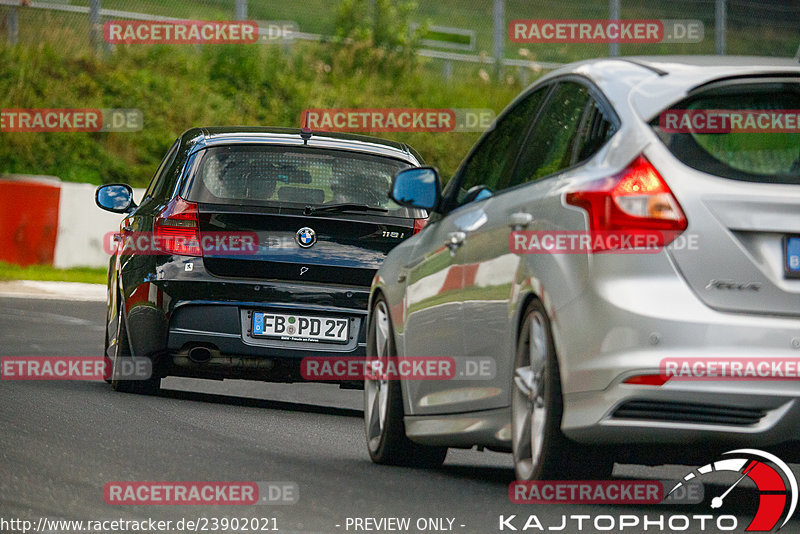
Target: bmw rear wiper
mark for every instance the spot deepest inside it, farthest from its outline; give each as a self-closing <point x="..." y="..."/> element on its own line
<point x="336" y="208"/>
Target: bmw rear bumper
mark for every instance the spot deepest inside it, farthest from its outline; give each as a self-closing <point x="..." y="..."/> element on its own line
<point x="169" y="317"/>
<point x="223" y="328"/>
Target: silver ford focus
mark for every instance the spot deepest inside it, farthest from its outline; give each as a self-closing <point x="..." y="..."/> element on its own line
<point x="623" y="249"/>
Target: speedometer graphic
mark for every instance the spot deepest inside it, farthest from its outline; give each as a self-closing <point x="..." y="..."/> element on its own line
<point x="776" y="484"/>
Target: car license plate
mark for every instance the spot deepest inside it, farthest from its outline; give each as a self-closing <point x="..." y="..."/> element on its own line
<point x="791" y="256"/>
<point x="292" y="327"/>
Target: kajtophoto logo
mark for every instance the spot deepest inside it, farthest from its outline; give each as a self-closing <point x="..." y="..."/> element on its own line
<point x="768" y="475"/>
<point x="775" y="482"/>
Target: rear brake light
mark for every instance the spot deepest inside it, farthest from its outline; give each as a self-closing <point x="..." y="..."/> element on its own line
<point x="635" y="201"/>
<point x="419" y="224"/>
<point x="177" y="229"/>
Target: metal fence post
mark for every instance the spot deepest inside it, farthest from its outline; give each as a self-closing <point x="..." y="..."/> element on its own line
<point x="499" y="36"/>
<point x="12" y="23"/>
<point x="524" y="76"/>
<point x="613" y="14"/>
<point x="94" y="25"/>
<point x="241" y="10"/>
<point x="447" y="69"/>
<point x="720" y="27"/>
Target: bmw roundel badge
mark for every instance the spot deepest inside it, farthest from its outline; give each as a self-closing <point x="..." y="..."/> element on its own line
<point x="305" y="237"/>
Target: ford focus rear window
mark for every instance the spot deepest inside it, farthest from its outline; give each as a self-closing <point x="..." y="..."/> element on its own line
<point x="747" y="132"/>
<point x="291" y="176"/>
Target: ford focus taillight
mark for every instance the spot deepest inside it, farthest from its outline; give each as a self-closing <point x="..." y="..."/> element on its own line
<point x="635" y="201"/>
<point x="177" y="230"/>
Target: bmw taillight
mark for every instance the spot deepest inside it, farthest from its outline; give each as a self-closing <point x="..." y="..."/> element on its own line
<point x="177" y="228"/>
<point x="419" y="224"/>
<point x="635" y="201"/>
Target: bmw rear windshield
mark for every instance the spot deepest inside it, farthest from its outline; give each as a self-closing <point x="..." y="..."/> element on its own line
<point x="738" y="129"/>
<point x="286" y="176"/>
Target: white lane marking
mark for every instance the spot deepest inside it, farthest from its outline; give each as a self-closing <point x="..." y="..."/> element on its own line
<point x="34" y="289"/>
<point x="44" y="317"/>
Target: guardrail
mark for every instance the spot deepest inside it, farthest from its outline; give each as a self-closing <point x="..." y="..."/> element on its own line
<point x="429" y="53"/>
<point x="447" y="33"/>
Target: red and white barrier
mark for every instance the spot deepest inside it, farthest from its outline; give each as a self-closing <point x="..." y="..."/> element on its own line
<point x="46" y="221"/>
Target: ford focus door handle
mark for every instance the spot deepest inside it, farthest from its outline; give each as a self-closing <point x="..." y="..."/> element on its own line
<point x="519" y="220"/>
<point x="455" y="240"/>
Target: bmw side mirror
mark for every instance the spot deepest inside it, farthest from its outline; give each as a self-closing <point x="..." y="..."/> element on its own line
<point x="116" y="198"/>
<point x="417" y="187"/>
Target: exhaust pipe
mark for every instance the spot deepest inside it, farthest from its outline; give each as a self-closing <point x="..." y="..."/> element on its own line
<point x="200" y="354"/>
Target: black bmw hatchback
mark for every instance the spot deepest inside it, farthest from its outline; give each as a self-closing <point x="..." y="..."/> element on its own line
<point x="251" y="249"/>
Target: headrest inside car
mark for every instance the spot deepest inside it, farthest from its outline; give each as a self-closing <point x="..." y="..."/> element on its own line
<point x="301" y="194"/>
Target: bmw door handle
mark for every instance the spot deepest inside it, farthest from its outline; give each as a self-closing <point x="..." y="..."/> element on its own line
<point x="519" y="220"/>
<point x="124" y="230"/>
<point x="455" y="240"/>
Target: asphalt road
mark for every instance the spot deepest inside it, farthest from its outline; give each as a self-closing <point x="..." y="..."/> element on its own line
<point x="61" y="442"/>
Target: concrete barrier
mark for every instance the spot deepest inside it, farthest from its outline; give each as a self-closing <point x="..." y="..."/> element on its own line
<point x="82" y="226"/>
<point x="46" y="221"/>
<point x="28" y="219"/>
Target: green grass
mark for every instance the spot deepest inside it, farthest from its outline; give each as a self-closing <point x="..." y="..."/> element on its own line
<point x="89" y="275"/>
<point x="182" y="86"/>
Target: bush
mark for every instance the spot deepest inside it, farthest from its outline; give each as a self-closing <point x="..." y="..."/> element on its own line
<point x="182" y="86"/>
